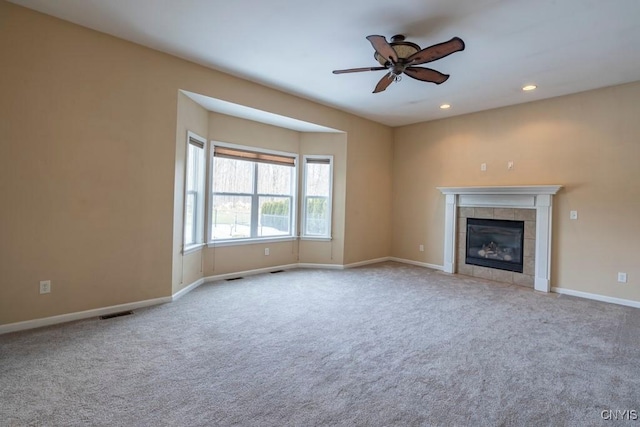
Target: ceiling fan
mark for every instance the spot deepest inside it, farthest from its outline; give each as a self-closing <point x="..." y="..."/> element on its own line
<point x="401" y="56"/>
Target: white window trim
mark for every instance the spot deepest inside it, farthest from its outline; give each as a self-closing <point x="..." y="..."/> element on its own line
<point x="193" y="248"/>
<point x="303" y="226"/>
<point x="252" y="240"/>
<point x="316" y="239"/>
<point x="200" y="215"/>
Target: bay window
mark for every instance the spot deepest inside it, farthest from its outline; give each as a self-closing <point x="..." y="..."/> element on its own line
<point x="252" y="194"/>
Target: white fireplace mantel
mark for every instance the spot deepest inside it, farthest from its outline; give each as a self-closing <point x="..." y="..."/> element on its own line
<point x="538" y="197"/>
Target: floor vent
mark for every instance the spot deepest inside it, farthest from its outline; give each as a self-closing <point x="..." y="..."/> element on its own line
<point x="235" y="278"/>
<point x="111" y="316"/>
<point x="277" y="271"/>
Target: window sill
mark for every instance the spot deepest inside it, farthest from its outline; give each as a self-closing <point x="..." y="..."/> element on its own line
<point x="192" y="248"/>
<point x="316" y="239"/>
<point x="237" y="242"/>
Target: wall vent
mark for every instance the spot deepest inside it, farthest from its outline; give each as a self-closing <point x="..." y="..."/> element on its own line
<point x="112" y="315"/>
<point x="234" y="278"/>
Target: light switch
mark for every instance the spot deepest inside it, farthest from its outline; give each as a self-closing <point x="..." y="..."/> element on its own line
<point x="573" y="215"/>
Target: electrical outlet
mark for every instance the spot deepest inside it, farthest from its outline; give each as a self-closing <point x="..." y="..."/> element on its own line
<point x="45" y="286"/>
<point x="421" y="248"/>
<point x="483" y="167"/>
<point x="622" y="277"/>
<point x="266" y="251"/>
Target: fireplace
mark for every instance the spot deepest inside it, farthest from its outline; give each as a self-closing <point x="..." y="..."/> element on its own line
<point x="495" y="243"/>
<point x="534" y="199"/>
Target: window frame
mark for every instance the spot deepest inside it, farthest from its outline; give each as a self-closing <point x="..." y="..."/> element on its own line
<point x="303" y="198"/>
<point x="255" y="196"/>
<point x="200" y="215"/>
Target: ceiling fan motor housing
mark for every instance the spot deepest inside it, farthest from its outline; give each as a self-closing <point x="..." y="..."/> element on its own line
<point x="404" y="49"/>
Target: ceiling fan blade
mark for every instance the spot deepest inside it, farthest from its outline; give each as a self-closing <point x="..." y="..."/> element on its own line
<point x="426" y="75"/>
<point x="383" y="48"/>
<point x="384" y="82"/>
<point x="357" y="70"/>
<point x="436" y="51"/>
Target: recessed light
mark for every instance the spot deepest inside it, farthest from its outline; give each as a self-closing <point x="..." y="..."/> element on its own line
<point x="527" y="88"/>
<point x="445" y="106"/>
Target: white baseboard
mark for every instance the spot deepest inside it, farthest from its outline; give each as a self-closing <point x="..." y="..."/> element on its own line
<point x="597" y="297"/>
<point x="418" y="263"/>
<point x="343" y="266"/>
<point x="63" y="318"/>
<point x="323" y="266"/>
<point x="249" y="272"/>
<point x="367" y="262"/>
<point x="182" y="292"/>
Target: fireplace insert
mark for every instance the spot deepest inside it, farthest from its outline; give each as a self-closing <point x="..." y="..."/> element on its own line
<point x="495" y="243"/>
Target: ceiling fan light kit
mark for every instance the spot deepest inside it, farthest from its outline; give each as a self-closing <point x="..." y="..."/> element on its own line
<point x="401" y="56"/>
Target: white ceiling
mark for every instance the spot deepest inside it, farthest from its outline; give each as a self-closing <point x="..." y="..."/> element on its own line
<point x="563" y="46"/>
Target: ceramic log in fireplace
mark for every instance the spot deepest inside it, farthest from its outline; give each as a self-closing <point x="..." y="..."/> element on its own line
<point x="495" y="244"/>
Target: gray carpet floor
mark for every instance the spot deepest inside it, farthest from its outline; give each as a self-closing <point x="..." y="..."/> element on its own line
<point x="381" y="345"/>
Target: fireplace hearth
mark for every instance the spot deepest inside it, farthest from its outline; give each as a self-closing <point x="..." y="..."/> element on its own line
<point x="495" y="244"/>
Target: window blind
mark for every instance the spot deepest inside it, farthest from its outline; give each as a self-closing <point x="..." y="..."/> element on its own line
<point x="318" y="161"/>
<point x="254" y="156"/>
<point x="195" y="142"/>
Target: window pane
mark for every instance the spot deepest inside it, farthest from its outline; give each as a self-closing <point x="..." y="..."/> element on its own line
<point x="317" y="221"/>
<point x="318" y="179"/>
<point x="192" y="166"/>
<point x="275" y="216"/>
<point x="232" y="176"/>
<point x="190" y="219"/>
<point x="274" y="179"/>
<point x="194" y="195"/>
<point x="231" y="217"/>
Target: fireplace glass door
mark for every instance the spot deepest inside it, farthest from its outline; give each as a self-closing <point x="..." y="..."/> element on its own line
<point x="495" y="244"/>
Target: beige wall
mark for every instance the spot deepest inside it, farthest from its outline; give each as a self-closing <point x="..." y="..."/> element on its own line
<point x="587" y="142"/>
<point x="369" y="180"/>
<point x="88" y="166"/>
<point x="87" y="147"/>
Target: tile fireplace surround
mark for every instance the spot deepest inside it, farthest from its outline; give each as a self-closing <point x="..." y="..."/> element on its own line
<point x="538" y="197"/>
